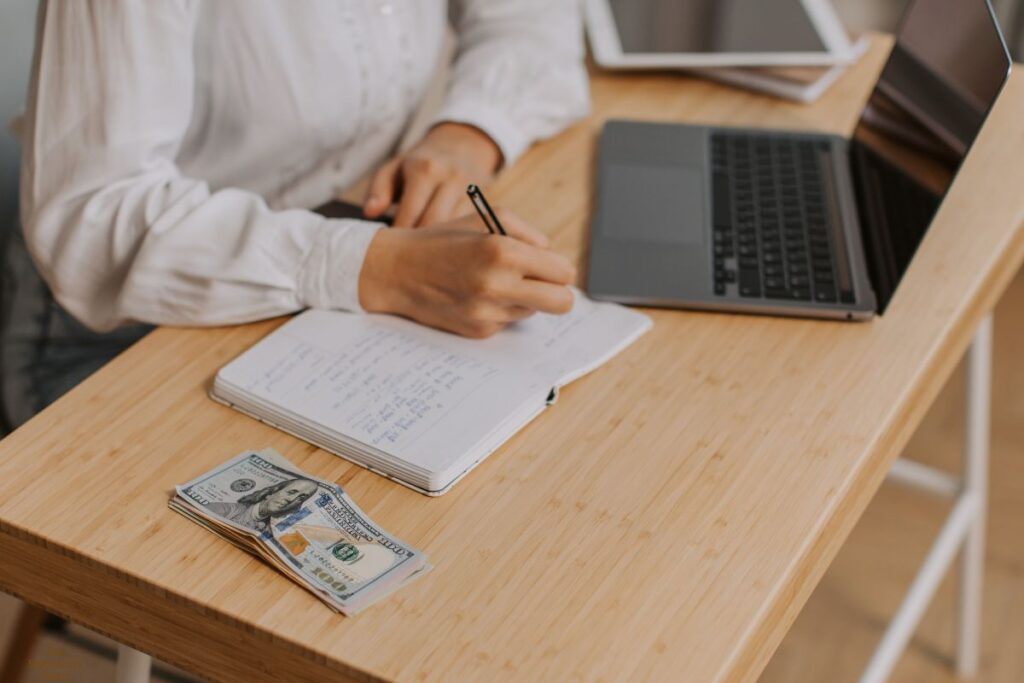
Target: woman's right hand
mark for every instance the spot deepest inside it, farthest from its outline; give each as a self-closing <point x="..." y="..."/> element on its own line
<point x="456" y="278"/>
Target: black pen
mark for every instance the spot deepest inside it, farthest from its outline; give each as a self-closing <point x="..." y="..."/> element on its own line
<point x="484" y="209"/>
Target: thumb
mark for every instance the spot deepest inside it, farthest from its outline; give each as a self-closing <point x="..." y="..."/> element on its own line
<point x="381" y="193"/>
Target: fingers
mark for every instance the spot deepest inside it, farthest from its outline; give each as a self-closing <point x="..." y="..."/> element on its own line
<point x="522" y="276"/>
<point x="517" y="313"/>
<point x="474" y="329"/>
<point x="487" y="318"/>
<point x="534" y="278"/>
<point x="381" y="193"/>
<point x="514" y="225"/>
<point x="480" y="320"/>
<point x="416" y="193"/>
<point x="540" y="296"/>
<point x="541" y="264"/>
<point x="521" y="230"/>
<point x="505" y="314"/>
<point x="448" y="202"/>
<point x="488" y="311"/>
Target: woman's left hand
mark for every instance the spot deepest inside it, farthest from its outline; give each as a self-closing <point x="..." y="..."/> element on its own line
<point x="429" y="182"/>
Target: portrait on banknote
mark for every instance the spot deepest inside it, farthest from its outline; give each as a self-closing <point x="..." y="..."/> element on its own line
<point x="257" y="509"/>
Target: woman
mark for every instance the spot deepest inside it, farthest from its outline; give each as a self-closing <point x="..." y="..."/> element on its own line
<point x="172" y="150"/>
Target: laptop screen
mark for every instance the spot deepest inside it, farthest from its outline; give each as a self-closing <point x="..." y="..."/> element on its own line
<point x="945" y="70"/>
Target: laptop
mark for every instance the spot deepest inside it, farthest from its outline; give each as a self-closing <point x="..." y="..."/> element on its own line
<point x="798" y="223"/>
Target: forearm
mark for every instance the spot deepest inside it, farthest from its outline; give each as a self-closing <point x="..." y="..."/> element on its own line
<point x="201" y="259"/>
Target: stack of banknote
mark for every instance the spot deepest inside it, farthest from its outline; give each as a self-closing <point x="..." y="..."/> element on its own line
<point x="309" y="529"/>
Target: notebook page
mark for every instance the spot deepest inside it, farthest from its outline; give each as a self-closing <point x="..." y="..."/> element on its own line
<point x="540" y="353"/>
<point x="383" y="382"/>
<point x="425" y="396"/>
<point x="562" y="348"/>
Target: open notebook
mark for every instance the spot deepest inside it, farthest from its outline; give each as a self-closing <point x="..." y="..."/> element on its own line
<point x="412" y="403"/>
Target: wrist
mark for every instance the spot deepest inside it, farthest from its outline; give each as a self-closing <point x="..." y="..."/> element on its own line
<point x="379" y="282"/>
<point x="473" y="146"/>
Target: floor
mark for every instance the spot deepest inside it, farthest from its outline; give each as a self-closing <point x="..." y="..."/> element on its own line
<point x="77" y="656"/>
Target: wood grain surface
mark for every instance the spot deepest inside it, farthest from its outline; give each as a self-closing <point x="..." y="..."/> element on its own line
<point x="665" y="521"/>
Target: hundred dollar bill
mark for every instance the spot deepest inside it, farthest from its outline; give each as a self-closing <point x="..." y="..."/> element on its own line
<point x="306" y="527"/>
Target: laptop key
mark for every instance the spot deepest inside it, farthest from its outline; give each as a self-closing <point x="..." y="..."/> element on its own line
<point x="749" y="282"/>
<point x="825" y="294"/>
<point x="722" y="202"/>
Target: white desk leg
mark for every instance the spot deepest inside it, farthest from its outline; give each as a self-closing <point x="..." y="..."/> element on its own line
<point x="935" y="566"/>
<point x="964" y="529"/>
<point x="132" y="665"/>
<point x="976" y="438"/>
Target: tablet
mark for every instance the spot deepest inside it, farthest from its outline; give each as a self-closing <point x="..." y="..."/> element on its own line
<point x="644" y="34"/>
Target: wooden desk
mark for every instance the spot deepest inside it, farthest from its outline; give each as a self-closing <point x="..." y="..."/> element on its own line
<point x="666" y="520"/>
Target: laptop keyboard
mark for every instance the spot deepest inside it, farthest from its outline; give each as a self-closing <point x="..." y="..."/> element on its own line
<point x="773" y="230"/>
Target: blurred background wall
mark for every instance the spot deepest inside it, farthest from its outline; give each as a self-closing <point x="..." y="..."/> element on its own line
<point x="17" y="22"/>
<point x="863" y="15"/>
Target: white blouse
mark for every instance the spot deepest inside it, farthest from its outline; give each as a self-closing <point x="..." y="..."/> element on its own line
<point x="171" y="148"/>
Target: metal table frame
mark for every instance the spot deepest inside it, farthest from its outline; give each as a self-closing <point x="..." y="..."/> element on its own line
<point x="964" y="528"/>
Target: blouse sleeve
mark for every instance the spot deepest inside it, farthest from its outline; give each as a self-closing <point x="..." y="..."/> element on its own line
<point x="519" y="73"/>
<point x="115" y="229"/>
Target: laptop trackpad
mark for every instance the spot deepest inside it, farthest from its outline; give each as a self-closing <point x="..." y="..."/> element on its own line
<point x="662" y="204"/>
